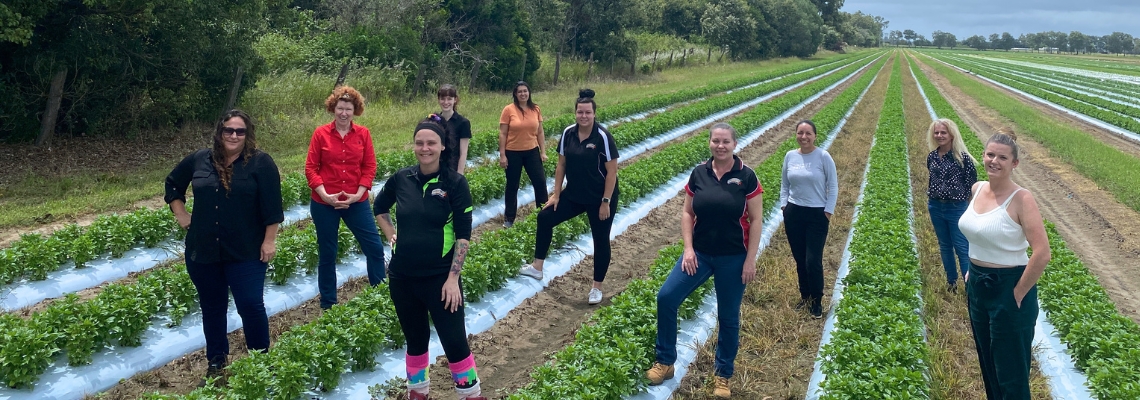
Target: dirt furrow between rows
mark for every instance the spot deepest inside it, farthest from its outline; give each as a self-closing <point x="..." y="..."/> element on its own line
<point x="1104" y="233"/>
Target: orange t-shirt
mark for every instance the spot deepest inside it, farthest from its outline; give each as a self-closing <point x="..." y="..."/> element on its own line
<point x="522" y="129"/>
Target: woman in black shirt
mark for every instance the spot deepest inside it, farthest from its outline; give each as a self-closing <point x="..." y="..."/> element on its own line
<point x="433" y="210"/>
<point x="232" y="234"/>
<point x="458" y="129"/>
<point x="720" y="227"/>
<point x="952" y="175"/>
<point x="587" y="157"/>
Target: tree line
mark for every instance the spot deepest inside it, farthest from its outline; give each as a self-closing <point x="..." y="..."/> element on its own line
<point x="1073" y="42"/>
<point x="123" y="67"/>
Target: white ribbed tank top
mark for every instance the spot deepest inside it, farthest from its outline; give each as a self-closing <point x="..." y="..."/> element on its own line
<point x="994" y="237"/>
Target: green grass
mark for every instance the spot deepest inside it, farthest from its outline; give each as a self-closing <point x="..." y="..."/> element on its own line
<point x="1111" y="169"/>
<point x="1097" y="62"/>
<point x="288" y="106"/>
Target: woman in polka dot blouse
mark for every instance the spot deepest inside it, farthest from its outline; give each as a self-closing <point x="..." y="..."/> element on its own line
<point x="952" y="174"/>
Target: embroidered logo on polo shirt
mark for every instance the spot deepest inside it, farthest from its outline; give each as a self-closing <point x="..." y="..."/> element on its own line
<point x="439" y="193"/>
<point x="734" y="181"/>
<point x="591" y="146"/>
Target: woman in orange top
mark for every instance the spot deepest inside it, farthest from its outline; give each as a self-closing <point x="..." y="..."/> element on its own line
<point x="521" y="146"/>
<point x="340" y="168"/>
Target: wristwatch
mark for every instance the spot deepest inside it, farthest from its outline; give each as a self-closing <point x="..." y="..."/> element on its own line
<point x="605" y="199"/>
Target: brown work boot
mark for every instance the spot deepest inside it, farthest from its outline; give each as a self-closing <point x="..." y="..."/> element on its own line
<point x="659" y="373"/>
<point x="721" y="390"/>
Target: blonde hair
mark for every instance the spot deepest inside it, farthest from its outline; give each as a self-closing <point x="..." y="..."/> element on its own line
<point x="1006" y="136"/>
<point x="958" y="147"/>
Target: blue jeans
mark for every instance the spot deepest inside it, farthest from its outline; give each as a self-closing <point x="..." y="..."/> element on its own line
<point x="945" y="218"/>
<point x="215" y="282"/>
<point x="729" y="285"/>
<point x="358" y="217"/>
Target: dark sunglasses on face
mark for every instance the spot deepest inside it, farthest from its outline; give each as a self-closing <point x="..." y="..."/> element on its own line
<point x="233" y="131"/>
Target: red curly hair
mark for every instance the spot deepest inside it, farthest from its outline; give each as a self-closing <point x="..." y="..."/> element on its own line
<point x="345" y="93"/>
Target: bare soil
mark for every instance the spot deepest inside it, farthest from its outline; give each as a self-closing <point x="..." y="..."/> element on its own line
<point x="1104" y="233"/>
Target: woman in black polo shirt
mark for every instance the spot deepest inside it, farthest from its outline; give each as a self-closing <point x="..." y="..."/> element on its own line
<point x="720" y="226"/>
<point x="232" y="234"/>
<point x="433" y="210"/>
<point x="458" y="128"/>
<point x="587" y="158"/>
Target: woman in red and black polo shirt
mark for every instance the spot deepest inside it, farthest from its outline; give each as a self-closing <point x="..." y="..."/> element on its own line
<point x="340" y="168"/>
<point x="720" y="226"/>
<point x="587" y="157"/>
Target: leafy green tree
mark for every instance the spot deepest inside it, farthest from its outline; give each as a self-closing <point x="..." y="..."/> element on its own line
<point x="681" y="18"/>
<point x="976" y="42"/>
<point x="1078" y="42"/>
<point x="600" y="28"/>
<point x="1007" y="41"/>
<point x="798" y="27"/>
<point x="910" y="35"/>
<point x="829" y="10"/>
<point x="1118" y="43"/>
<point x="729" y="24"/>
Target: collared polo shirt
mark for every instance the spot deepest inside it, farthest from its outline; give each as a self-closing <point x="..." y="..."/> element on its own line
<point x="432" y="213"/>
<point x="341" y="164"/>
<point x="227" y="226"/>
<point x="721" y="207"/>
<point x="586" y="163"/>
<point x="458" y="127"/>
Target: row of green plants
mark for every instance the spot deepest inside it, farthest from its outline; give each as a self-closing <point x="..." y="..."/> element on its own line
<point x="1113" y="170"/>
<point x="1103" y="84"/>
<point x="487" y="141"/>
<point x="614" y="347"/>
<point x="1104" y="343"/>
<point x="120" y="314"/>
<point x="1050" y="87"/>
<point x="877" y="349"/>
<point x="296" y="246"/>
<point x="943" y="109"/>
<point x="492" y="259"/>
<point x="1101" y="109"/>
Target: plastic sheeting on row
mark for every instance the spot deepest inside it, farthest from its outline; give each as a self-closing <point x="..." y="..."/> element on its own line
<point x="1074" y="71"/>
<point x="1107" y="126"/>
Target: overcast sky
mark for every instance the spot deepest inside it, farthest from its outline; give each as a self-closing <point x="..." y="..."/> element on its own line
<point x="965" y="18"/>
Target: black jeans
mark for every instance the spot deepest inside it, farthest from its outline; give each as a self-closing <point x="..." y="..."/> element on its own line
<point x="600" y="230"/>
<point x="417" y="297"/>
<point x="531" y="160"/>
<point x="214" y="282"/>
<point x="1003" y="332"/>
<point x="806" y="229"/>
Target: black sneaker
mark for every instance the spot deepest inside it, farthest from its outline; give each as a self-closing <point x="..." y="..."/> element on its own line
<point x="816" y="308"/>
<point x="216" y="372"/>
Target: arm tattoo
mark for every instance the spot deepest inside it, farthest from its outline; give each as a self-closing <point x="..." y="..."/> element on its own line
<point x="460" y="256"/>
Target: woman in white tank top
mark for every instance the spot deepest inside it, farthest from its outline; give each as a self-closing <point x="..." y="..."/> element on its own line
<point x="1002" y="221"/>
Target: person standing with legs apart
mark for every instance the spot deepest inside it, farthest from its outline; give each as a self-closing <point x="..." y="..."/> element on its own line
<point x="1001" y="222"/>
<point x="952" y="174"/>
<point x="587" y="158"/>
<point x="809" y="189"/>
<point x="232" y="235"/>
<point x="522" y="145"/>
<point x="433" y="210"/>
<point x="720" y="225"/>
<point x="340" y="167"/>
<point x="458" y="128"/>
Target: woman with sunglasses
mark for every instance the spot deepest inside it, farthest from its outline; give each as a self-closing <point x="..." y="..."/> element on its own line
<point x="340" y="168"/>
<point x="232" y="233"/>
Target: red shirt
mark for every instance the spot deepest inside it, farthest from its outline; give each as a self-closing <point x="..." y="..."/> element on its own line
<point x="341" y="164"/>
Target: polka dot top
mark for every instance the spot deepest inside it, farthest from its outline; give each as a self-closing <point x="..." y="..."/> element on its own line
<point x="948" y="180"/>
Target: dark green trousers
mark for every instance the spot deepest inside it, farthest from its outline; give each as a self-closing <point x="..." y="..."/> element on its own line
<point x="1003" y="332"/>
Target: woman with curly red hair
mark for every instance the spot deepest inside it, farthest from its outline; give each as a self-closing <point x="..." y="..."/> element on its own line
<point x="340" y="168"/>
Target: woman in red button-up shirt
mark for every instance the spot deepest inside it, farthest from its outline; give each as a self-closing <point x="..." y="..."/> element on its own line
<point x="340" y="168"/>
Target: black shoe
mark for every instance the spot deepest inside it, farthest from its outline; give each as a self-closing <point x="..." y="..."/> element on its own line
<point x="216" y="372"/>
<point x="816" y="308"/>
<point x="802" y="304"/>
<point x="952" y="287"/>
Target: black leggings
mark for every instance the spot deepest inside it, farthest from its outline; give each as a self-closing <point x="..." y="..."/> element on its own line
<point x="806" y="229"/>
<point x="550" y="217"/>
<point x="531" y="160"/>
<point x="415" y="298"/>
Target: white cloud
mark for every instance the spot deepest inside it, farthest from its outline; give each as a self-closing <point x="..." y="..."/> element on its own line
<point x="965" y="18"/>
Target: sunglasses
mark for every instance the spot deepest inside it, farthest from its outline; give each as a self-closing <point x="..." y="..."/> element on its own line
<point x="233" y="131"/>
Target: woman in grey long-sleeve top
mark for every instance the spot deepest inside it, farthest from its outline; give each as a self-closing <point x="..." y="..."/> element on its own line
<point x="808" y="191"/>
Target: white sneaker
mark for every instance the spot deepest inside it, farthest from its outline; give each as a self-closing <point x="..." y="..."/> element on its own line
<point x="595" y="296"/>
<point x="531" y="271"/>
